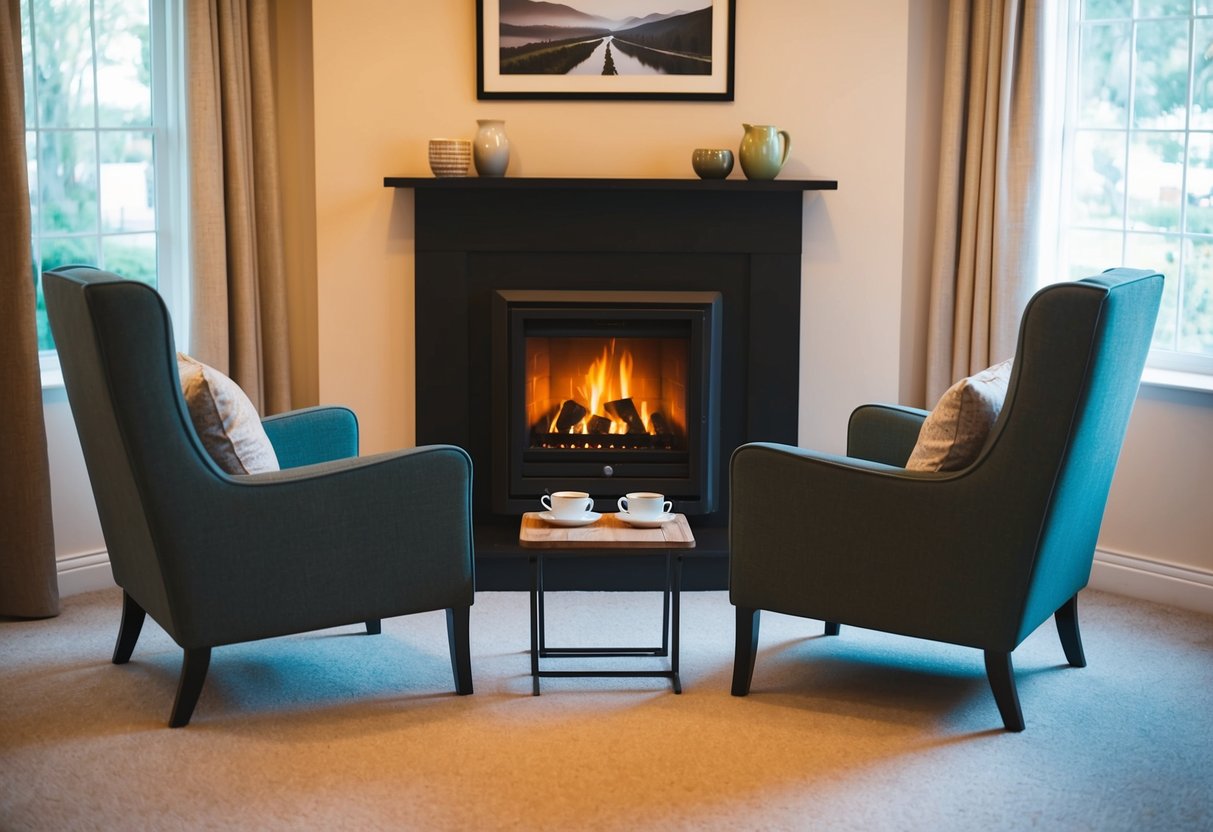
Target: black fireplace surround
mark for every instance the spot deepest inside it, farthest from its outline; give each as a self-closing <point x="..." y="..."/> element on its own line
<point x="711" y="265"/>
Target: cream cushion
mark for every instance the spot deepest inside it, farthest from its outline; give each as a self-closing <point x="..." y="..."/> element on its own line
<point x="225" y="419"/>
<point x="955" y="431"/>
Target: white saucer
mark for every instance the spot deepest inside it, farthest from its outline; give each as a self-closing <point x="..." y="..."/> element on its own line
<point x="568" y="522"/>
<point x="647" y="523"/>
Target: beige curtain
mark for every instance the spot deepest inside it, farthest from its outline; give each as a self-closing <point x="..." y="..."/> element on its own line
<point x="28" y="584"/>
<point x="986" y="243"/>
<point x="239" y="320"/>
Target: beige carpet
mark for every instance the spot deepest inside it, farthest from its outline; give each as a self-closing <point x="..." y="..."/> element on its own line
<point x="337" y="730"/>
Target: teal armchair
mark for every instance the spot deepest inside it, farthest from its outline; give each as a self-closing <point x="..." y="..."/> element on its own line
<point x="331" y="539"/>
<point x="978" y="557"/>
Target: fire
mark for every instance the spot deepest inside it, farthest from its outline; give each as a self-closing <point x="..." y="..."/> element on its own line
<point x="608" y="379"/>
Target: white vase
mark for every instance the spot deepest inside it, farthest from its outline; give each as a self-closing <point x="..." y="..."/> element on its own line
<point x="491" y="149"/>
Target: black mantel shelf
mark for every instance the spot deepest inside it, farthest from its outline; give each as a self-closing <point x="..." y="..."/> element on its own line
<point x="464" y="183"/>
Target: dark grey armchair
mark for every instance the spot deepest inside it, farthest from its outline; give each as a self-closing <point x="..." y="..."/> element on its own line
<point x="332" y="539"/>
<point x="977" y="557"/>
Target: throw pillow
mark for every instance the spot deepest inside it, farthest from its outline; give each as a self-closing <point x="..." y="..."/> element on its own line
<point x="225" y="419"/>
<point x="955" y="431"/>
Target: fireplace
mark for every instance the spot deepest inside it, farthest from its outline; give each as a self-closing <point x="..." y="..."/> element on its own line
<point x="605" y="392"/>
<point x="605" y="336"/>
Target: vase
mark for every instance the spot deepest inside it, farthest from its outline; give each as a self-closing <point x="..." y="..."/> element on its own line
<point x="763" y="151"/>
<point x="491" y="149"/>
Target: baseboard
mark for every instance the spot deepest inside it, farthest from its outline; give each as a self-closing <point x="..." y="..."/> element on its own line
<point x="1149" y="580"/>
<point x="84" y="573"/>
<point x="1114" y="572"/>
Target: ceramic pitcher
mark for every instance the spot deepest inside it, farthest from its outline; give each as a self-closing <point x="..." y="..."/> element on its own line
<point x="764" y="149"/>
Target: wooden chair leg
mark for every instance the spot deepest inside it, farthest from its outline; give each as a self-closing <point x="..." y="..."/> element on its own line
<point x="458" y="636"/>
<point x="374" y="627"/>
<point x="1066" y="619"/>
<point x="128" y="630"/>
<point x="748" y="623"/>
<point x="833" y="628"/>
<point x="1002" y="682"/>
<point x="193" y="674"/>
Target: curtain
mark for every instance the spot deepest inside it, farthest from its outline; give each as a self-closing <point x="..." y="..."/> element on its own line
<point x="986" y="249"/>
<point x="238" y="321"/>
<point x="28" y="581"/>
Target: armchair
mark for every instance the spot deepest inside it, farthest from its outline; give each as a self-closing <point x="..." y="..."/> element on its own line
<point x="980" y="556"/>
<point x="331" y="539"/>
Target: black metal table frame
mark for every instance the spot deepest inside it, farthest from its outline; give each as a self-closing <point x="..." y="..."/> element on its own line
<point x="669" y="632"/>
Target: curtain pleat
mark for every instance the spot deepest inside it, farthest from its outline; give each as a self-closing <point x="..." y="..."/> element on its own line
<point x="986" y="250"/>
<point x="239" y="314"/>
<point x="28" y="582"/>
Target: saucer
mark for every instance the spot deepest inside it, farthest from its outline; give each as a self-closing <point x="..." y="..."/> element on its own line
<point x="569" y="522"/>
<point x="647" y="523"/>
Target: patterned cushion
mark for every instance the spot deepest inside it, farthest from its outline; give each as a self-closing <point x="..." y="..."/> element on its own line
<point x="955" y="431"/>
<point x="225" y="419"/>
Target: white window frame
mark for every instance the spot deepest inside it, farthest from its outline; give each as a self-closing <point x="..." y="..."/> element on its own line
<point x="170" y="166"/>
<point x="1164" y="367"/>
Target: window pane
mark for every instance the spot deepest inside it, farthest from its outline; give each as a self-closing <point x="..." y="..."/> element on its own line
<point x="1104" y="75"/>
<point x="1196" y="316"/>
<point x="1163" y="8"/>
<point x="1161" y="87"/>
<point x="1092" y="252"/>
<point x="45" y="341"/>
<point x="27" y="63"/>
<point x="1159" y="253"/>
<point x="1099" y="179"/>
<point x="124" y="58"/>
<point x="67" y="181"/>
<point x="68" y="251"/>
<point x="63" y="41"/>
<point x="132" y="256"/>
<point x="1202" y="76"/>
<point x="1092" y="9"/>
<point x="1200" y="183"/>
<point x="127" y="192"/>
<point x="31" y="172"/>
<point x="1156" y="171"/>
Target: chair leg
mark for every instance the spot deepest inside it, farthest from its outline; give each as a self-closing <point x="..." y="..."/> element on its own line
<point x="128" y="630"/>
<point x="458" y="636"/>
<point x="748" y="622"/>
<point x="374" y="627"/>
<point x="833" y="628"/>
<point x="193" y="674"/>
<point x="1066" y="619"/>
<point x="1002" y="682"/>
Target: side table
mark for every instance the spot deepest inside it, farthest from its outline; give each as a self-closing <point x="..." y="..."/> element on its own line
<point x="608" y="535"/>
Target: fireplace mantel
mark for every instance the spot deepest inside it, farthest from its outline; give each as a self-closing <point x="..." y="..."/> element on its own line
<point x="475" y="238"/>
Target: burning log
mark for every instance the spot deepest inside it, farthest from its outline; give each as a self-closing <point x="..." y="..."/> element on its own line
<point x="598" y="424"/>
<point x="625" y="411"/>
<point x="570" y="414"/>
<point x="660" y="426"/>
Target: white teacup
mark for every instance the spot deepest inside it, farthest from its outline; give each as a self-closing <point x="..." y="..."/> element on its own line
<point x="644" y="505"/>
<point x="567" y="505"/>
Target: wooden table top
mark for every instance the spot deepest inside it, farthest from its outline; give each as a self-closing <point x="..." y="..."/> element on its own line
<point x="608" y="532"/>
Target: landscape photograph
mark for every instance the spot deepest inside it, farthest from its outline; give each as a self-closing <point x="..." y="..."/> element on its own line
<point x="582" y="37"/>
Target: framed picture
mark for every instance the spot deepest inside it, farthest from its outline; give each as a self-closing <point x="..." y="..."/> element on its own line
<point x="673" y="50"/>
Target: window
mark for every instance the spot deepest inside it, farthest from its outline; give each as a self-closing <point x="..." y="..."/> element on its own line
<point x="1138" y="159"/>
<point x="104" y="155"/>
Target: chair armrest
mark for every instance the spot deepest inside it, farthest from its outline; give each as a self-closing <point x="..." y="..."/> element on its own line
<point x="312" y="435"/>
<point x="884" y="432"/>
<point x="933" y="555"/>
<point x="318" y="546"/>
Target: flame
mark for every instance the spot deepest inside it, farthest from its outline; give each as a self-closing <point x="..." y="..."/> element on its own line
<point x="608" y="378"/>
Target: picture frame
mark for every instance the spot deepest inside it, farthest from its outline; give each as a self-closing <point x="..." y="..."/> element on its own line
<point x="523" y="54"/>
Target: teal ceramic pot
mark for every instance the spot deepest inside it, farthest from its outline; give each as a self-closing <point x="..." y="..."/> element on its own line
<point x="712" y="163"/>
<point x="764" y="149"/>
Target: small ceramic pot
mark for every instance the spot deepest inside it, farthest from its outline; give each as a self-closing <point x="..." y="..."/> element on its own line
<point x="450" y="157"/>
<point x="712" y="163"/>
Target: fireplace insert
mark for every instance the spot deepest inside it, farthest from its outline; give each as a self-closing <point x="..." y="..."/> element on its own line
<point x="605" y="392"/>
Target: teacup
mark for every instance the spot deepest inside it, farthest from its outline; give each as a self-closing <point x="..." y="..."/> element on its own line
<point x="644" y="505"/>
<point x="567" y="505"/>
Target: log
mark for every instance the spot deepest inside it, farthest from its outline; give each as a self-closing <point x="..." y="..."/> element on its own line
<point x="625" y="411"/>
<point x="660" y="426"/>
<point x="570" y="414"/>
<point x="598" y="424"/>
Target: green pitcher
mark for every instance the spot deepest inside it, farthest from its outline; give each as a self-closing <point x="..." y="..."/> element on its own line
<point x="764" y="149"/>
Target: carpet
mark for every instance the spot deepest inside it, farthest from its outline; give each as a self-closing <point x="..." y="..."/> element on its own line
<point x="338" y="730"/>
